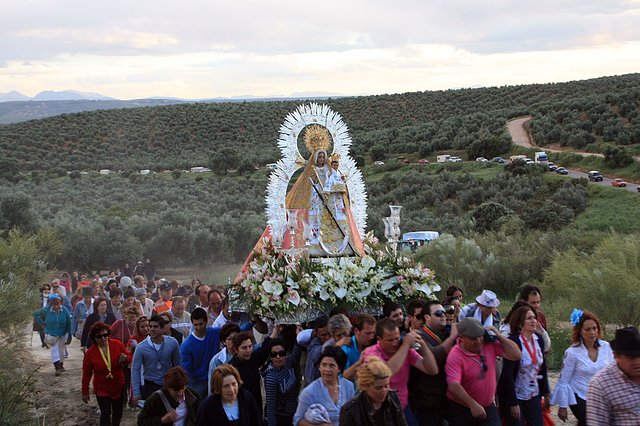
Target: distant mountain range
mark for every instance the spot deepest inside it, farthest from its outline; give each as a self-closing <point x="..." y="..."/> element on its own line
<point x="16" y="107"/>
<point x="50" y="95"/>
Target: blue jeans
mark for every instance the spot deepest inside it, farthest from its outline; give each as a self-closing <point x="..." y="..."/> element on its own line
<point x="201" y="389"/>
<point x="410" y="417"/>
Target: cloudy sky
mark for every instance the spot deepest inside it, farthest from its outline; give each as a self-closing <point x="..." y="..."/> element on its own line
<point x="207" y="48"/>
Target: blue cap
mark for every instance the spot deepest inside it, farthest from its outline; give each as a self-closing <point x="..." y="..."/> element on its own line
<point x="54" y="296"/>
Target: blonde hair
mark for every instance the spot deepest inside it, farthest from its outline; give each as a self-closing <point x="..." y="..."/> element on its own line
<point x="372" y="370"/>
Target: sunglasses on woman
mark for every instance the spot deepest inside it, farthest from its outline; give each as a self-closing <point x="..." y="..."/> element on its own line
<point x="102" y="336"/>
<point x="278" y="354"/>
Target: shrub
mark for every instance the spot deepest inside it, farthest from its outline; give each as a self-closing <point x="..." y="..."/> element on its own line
<point x="606" y="282"/>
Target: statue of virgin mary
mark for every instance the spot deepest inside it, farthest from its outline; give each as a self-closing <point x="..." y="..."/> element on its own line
<point x="325" y="224"/>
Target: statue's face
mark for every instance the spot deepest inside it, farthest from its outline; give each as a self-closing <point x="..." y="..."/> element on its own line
<point x="334" y="165"/>
<point x="320" y="159"/>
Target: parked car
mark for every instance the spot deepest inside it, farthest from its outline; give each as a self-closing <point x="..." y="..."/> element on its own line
<point x="529" y="161"/>
<point x="405" y="161"/>
<point x="552" y="166"/>
<point x="595" y="176"/>
<point x="562" y="171"/>
<point x="423" y="161"/>
<point x="497" y="160"/>
<point x="379" y="163"/>
<point x="481" y="160"/>
<point x="620" y="183"/>
<point x="455" y="160"/>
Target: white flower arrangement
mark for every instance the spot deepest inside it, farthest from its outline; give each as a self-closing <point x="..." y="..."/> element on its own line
<point x="276" y="285"/>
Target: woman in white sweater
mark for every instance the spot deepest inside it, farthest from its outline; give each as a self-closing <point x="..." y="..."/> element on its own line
<point x="582" y="360"/>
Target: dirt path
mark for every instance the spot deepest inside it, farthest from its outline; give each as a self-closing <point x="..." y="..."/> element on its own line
<point x="62" y="394"/>
<point x="520" y="137"/>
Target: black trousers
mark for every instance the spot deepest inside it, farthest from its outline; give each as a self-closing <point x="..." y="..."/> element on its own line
<point x="148" y="388"/>
<point x="580" y="411"/>
<point x="111" y="409"/>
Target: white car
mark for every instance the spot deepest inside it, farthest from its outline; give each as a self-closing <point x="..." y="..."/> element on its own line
<point x="455" y="160"/>
<point x="481" y="160"/>
<point x="379" y="163"/>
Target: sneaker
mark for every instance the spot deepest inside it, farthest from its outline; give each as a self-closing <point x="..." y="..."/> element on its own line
<point x="45" y="346"/>
<point x="66" y="353"/>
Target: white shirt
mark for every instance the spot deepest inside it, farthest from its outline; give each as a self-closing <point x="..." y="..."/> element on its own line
<point x="577" y="371"/>
<point x="526" y="385"/>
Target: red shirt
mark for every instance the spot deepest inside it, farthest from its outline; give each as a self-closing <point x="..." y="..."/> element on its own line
<point x="465" y="368"/>
<point x="121" y="331"/>
<point x="93" y="365"/>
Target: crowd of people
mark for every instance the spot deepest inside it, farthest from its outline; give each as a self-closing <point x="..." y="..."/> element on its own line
<point x="176" y="354"/>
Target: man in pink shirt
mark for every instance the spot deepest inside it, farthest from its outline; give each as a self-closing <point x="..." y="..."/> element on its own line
<point x="400" y="355"/>
<point x="471" y="374"/>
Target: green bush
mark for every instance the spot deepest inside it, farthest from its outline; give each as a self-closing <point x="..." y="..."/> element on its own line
<point x="606" y="282"/>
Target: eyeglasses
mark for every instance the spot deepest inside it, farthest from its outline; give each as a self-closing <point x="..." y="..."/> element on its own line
<point x="439" y="314"/>
<point x="277" y="354"/>
<point x="102" y="336"/>
<point x="483" y="366"/>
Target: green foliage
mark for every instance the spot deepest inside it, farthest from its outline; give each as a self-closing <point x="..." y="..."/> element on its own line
<point x="490" y="216"/>
<point x="616" y="157"/>
<point x="610" y="209"/>
<point x="456" y="261"/>
<point x="22" y="269"/>
<point x="378" y="152"/>
<point x="601" y="282"/>
<point x="16" y="212"/>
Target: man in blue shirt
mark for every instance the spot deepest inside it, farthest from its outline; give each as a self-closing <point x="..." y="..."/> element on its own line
<point x="198" y="349"/>
<point x="156" y="354"/>
<point x="364" y="329"/>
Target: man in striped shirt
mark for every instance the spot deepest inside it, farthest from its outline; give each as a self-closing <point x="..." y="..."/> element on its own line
<point x="613" y="397"/>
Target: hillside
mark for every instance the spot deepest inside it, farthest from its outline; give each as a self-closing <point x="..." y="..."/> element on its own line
<point x="223" y="135"/>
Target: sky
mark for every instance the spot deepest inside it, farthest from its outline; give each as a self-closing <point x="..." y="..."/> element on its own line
<point x="206" y="48"/>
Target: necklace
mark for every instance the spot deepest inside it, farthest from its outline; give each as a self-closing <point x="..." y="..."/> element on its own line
<point x="107" y="359"/>
<point x="130" y="329"/>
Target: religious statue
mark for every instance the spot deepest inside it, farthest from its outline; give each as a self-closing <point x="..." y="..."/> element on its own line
<point x="320" y="198"/>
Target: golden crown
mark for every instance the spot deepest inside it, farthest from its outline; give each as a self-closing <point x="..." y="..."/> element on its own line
<point x="334" y="157"/>
<point x="316" y="137"/>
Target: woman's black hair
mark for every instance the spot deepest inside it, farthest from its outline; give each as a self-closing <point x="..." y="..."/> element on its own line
<point x="337" y="354"/>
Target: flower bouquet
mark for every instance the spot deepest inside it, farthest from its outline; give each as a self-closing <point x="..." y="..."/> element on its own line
<point x="296" y="289"/>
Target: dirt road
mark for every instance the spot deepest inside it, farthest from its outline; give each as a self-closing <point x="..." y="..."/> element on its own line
<point x="520" y="137"/>
<point x="62" y="394"/>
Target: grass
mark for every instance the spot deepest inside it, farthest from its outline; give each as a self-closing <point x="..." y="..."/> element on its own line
<point x="610" y="209"/>
<point x="218" y="273"/>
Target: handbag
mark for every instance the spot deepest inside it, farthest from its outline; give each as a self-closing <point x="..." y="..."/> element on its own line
<point x="50" y="340"/>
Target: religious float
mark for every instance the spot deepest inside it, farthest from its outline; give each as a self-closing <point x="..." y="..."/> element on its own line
<point x="314" y="254"/>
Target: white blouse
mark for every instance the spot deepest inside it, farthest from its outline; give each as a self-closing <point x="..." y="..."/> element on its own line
<point x="577" y="370"/>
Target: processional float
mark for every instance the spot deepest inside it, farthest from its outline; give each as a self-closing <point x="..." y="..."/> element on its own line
<point x="314" y="254"/>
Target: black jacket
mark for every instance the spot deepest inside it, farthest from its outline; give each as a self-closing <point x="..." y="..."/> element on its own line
<point x="428" y="392"/>
<point x="506" y="384"/>
<point x="154" y="408"/>
<point x="86" y="340"/>
<point x="211" y="411"/>
<point x="359" y="411"/>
